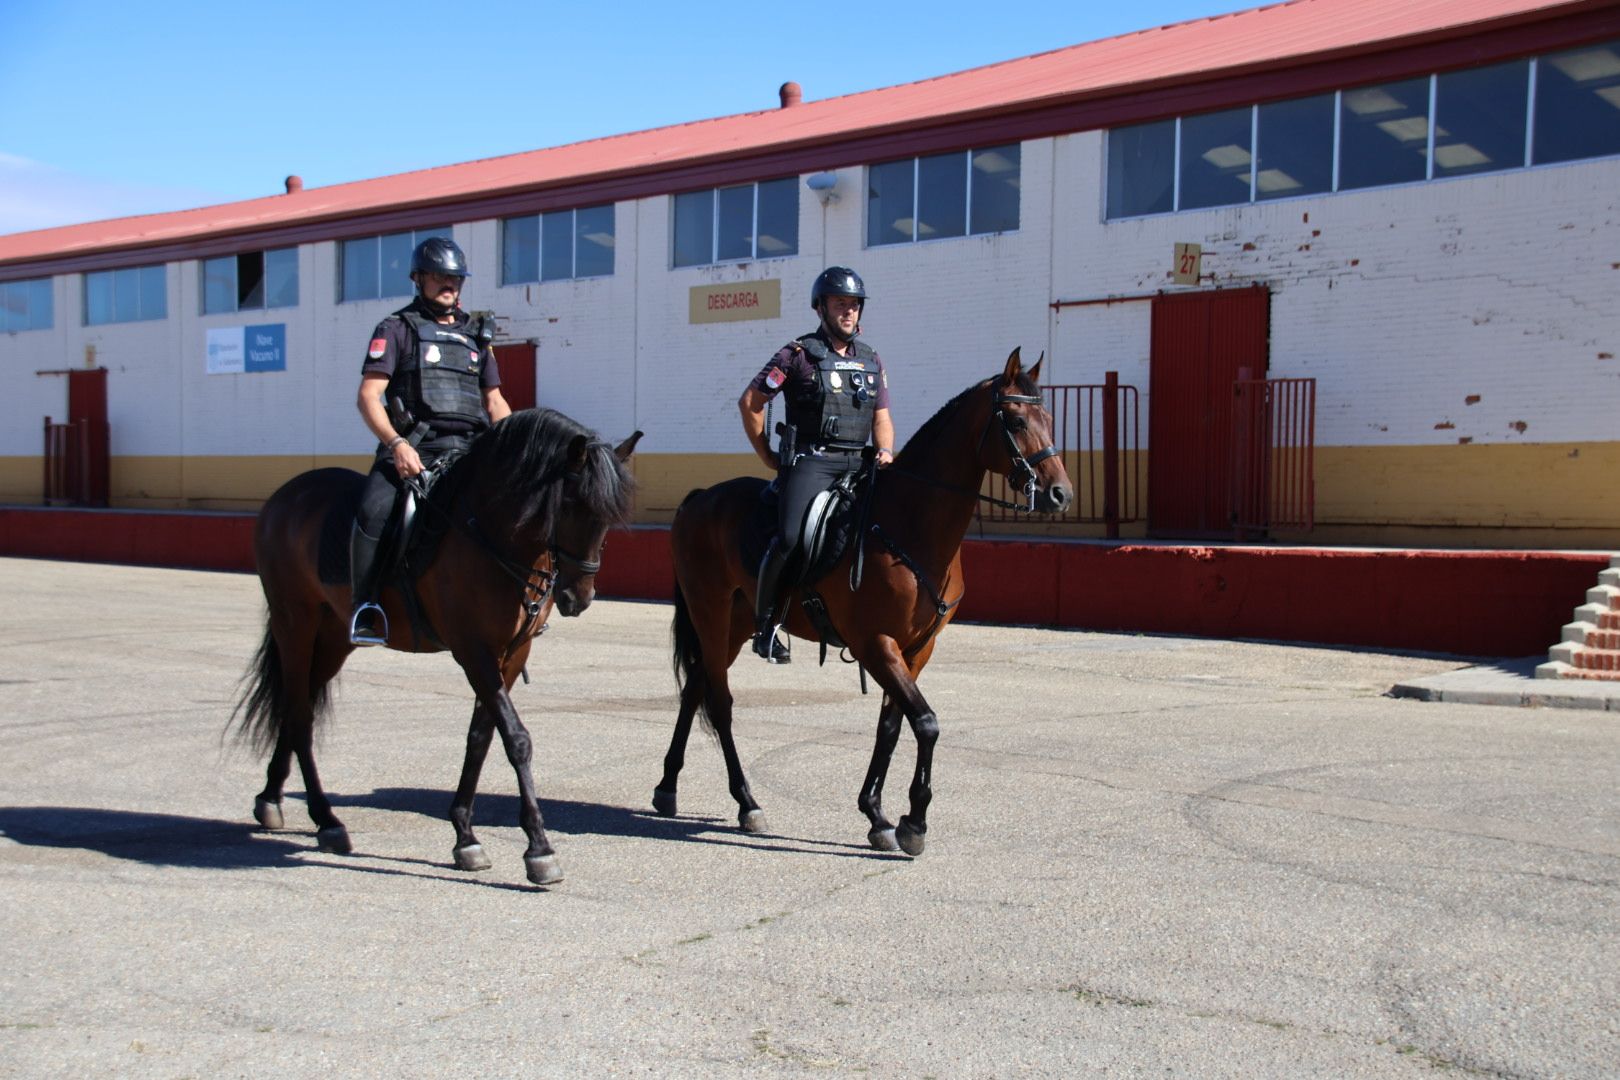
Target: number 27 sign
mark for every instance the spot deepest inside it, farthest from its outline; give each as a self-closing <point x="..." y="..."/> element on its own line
<point x="1187" y="265"/>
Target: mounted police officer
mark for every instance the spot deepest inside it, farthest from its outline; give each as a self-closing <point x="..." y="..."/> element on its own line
<point x="837" y="395"/>
<point x="428" y="385"/>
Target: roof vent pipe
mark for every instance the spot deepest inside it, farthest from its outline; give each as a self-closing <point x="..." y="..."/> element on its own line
<point x="790" y="94"/>
<point x="295" y="184"/>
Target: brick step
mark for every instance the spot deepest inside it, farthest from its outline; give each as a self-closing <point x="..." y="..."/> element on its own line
<point x="1600" y="663"/>
<point x="1604" y="596"/>
<point x="1610" y="577"/>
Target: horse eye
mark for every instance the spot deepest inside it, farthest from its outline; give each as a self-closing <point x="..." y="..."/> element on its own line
<point x="1015" y="424"/>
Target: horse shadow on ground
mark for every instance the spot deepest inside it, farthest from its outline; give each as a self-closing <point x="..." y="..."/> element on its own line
<point x="174" y="840"/>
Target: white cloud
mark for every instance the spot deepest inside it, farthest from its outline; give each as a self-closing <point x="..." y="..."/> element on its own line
<point x="34" y="195"/>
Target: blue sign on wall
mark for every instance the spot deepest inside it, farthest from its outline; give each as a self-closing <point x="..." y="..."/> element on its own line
<point x="265" y="347"/>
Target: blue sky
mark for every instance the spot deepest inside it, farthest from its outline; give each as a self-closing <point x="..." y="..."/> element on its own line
<point x="120" y="108"/>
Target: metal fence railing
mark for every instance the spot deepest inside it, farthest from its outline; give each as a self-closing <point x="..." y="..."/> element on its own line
<point x="1273" y="455"/>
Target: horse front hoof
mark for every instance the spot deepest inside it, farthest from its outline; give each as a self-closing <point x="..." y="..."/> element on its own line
<point x="883" y="840"/>
<point x="543" y="869"/>
<point x="910" y="838"/>
<point x="268" y="814"/>
<point x="664" y="802"/>
<point x="752" y="821"/>
<point x="471" y="857"/>
<point x="334" y="839"/>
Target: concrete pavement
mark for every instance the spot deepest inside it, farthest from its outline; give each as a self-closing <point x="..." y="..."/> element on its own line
<point x="1147" y="856"/>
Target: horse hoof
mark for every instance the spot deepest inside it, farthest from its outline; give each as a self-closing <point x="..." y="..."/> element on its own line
<point x="664" y="802"/>
<point x="543" y="869"/>
<point x="752" y="821"/>
<point x="910" y="839"/>
<point x="269" y="814"/>
<point x="883" y="840"/>
<point x="334" y="839"/>
<point x="471" y="857"/>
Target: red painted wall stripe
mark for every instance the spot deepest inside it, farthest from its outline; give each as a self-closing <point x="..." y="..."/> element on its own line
<point x="1475" y="603"/>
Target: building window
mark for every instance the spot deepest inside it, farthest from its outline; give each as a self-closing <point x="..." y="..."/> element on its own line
<point x="26" y="305"/>
<point x="1476" y="120"/>
<point x="1295" y="155"/>
<point x="957" y="194"/>
<point x="1217" y="158"/>
<point x="375" y="267"/>
<point x="557" y="246"/>
<point x="134" y="294"/>
<point x="251" y="280"/>
<point x="1142" y="169"/>
<point x="729" y="224"/>
<point x="1384" y="134"/>
<point x="1577" y="104"/>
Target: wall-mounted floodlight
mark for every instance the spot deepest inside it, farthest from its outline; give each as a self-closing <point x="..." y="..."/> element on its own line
<point x="824" y="184"/>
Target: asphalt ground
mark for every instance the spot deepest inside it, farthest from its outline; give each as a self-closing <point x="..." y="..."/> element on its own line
<point x="1147" y="856"/>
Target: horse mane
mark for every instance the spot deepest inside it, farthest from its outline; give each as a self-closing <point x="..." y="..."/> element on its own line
<point x="937" y="425"/>
<point x="521" y="462"/>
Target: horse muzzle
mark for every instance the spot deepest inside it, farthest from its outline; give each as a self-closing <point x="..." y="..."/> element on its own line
<point x="573" y="598"/>
<point x="1053" y="499"/>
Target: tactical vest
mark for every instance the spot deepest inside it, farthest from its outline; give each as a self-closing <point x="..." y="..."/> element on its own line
<point x="839" y="415"/>
<point x="438" y="380"/>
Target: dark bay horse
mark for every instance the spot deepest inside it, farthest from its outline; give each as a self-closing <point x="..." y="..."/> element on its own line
<point x="524" y="513"/>
<point x="909" y="590"/>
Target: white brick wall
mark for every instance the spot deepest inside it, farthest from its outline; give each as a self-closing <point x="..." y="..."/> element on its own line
<point x="1402" y="302"/>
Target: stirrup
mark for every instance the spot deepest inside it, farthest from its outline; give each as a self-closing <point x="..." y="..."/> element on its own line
<point x="368" y="634"/>
<point x="769" y="647"/>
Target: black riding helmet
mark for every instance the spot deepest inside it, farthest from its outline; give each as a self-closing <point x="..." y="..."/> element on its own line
<point x="837" y="281"/>
<point x="436" y="255"/>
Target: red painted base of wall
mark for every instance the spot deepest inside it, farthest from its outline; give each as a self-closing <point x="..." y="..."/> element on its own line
<point x="1476" y="603"/>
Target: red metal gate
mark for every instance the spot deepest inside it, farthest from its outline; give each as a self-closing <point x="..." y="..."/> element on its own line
<point x="77" y="460"/>
<point x="1201" y="341"/>
<point x="1273" y="455"/>
<point x="1097" y="428"/>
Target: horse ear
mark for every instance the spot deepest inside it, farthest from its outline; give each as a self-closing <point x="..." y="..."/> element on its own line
<point x="576" y="452"/>
<point x="626" y="448"/>
<point x="1009" y="376"/>
<point x="1034" y="373"/>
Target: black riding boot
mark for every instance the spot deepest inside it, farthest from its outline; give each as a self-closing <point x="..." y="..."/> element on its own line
<point x="766" y="643"/>
<point x="368" y="625"/>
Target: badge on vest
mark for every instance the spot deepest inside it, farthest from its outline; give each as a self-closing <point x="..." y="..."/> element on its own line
<point x="849" y="365"/>
<point x="430" y="354"/>
<point x="835" y="380"/>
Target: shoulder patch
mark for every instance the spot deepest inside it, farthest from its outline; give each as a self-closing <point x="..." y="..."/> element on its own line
<point x="378" y="347"/>
<point x="775" y="378"/>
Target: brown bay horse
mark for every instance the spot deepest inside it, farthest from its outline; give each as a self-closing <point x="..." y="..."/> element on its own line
<point x="908" y="590"/>
<point x="523" y="514"/>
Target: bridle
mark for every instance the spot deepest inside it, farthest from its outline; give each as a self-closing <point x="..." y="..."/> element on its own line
<point x="1021" y="474"/>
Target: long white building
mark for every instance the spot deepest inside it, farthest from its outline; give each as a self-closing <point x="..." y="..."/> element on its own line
<point x="1414" y="203"/>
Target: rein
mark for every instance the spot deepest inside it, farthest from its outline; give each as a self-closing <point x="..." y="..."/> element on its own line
<point x="1020" y="475"/>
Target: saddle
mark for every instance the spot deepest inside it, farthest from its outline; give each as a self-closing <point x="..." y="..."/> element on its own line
<point x="830" y="524"/>
<point x="418" y="523"/>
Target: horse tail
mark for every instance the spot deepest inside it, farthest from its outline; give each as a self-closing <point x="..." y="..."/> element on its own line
<point x="688" y="647"/>
<point x="263" y="707"/>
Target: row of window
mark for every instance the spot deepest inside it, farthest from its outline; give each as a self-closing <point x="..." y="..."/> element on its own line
<point x="1562" y="107"/>
<point x="943" y="195"/>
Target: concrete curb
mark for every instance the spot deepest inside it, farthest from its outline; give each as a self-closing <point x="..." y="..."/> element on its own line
<point x="1511" y="682"/>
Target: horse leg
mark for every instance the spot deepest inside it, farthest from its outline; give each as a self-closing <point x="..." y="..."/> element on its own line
<point x="468" y="852"/>
<point x="664" y="801"/>
<point x="899" y="683"/>
<point x="484" y="674"/>
<point x="718" y="705"/>
<point x="870" y="801"/>
<point x="267" y="805"/>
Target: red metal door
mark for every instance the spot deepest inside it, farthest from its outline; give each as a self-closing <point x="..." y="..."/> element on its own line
<point x="1200" y="342"/>
<point x="516" y="364"/>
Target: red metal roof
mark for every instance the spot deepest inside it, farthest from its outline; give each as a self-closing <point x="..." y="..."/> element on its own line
<point x="1298" y="36"/>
